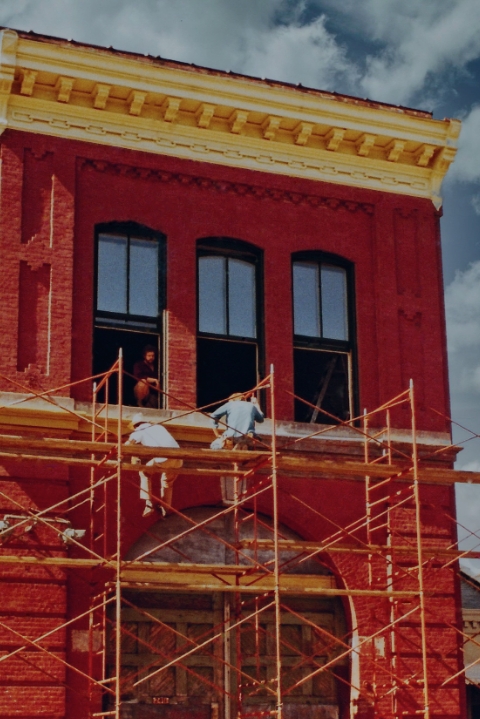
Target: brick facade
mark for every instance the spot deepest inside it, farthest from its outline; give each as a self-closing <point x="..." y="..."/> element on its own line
<point x="53" y="193"/>
<point x="393" y="242"/>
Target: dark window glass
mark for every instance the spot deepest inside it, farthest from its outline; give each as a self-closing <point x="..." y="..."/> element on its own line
<point x="143" y="289"/>
<point x="322" y="339"/>
<point x="334" y="302"/>
<point x="112" y="274"/>
<point x="129" y="302"/>
<point x="127" y="276"/>
<point x="320" y="300"/>
<point x="212" y="307"/>
<point x="226" y="296"/>
<point x="306" y="299"/>
<point x="228" y="348"/>
<point x="241" y="298"/>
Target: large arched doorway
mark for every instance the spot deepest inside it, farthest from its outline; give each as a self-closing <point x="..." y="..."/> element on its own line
<point x="212" y="655"/>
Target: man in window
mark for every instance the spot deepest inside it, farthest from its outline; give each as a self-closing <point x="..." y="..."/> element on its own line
<point x="146" y="390"/>
<point x="240" y="417"/>
<point x="155" y="435"/>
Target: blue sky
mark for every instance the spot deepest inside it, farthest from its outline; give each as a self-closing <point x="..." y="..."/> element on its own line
<point x="420" y="53"/>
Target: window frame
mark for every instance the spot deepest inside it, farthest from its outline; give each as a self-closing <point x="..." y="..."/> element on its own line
<point x="137" y="330"/>
<point x="125" y="319"/>
<point x="240" y="250"/>
<point x="326" y="344"/>
<point x="237" y="249"/>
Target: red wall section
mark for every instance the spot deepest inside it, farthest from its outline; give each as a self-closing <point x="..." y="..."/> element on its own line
<point x="54" y="192"/>
<point x="32" y="598"/>
<point x="311" y="507"/>
<point x="36" y="241"/>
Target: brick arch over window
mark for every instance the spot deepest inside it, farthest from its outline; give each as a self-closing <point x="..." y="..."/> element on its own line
<point x="310" y="625"/>
<point x="230" y="355"/>
<point x="324" y="334"/>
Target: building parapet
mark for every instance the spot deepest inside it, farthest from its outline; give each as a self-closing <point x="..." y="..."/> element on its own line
<point x="82" y="92"/>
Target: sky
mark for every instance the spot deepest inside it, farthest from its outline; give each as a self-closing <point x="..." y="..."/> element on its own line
<point x="418" y="53"/>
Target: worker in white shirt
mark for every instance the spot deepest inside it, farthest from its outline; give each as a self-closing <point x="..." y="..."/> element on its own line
<point x="240" y="417"/>
<point x="155" y="435"/>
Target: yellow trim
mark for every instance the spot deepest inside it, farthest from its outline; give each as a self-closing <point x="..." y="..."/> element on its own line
<point x="102" y="96"/>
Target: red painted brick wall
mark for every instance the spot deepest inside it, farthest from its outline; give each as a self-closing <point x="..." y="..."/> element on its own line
<point x="32" y="598"/>
<point x="53" y="193"/>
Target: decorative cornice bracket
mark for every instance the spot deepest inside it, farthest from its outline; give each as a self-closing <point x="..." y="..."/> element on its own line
<point x="204" y="115"/>
<point x="364" y="144"/>
<point x="394" y="149"/>
<point x="424" y="154"/>
<point x="302" y="133"/>
<point x="172" y="106"/>
<point x="136" y="100"/>
<point x="238" y="121"/>
<point x="29" y="78"/>
<point x="270" y="127"/>
<point x="64" y="88"/>
<point x="100" y="95"/>
<point x="333" y="138"/>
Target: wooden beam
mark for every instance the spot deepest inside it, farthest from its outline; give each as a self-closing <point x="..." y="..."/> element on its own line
<point x="60" y="562"/>
<point x="293" y="589"/>
<point x="295" y="465"/>
<point x="293" y="545"/>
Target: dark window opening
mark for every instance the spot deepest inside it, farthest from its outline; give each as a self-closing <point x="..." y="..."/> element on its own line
<point x="129" y="299"/>
<point x="106" y="342"/>
<point x="224" y="367"/>
<point x="323" y="338"/>
<point x="322" y="378"/>
<point x="473" y="701"/>
<point x="229" y="319"/>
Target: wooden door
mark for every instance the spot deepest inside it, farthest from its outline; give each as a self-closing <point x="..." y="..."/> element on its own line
<point x="178" y="662"/>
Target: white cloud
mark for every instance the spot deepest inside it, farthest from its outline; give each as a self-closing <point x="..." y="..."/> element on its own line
<point x="412" y="41"/>
<point x="468" y="502"/>
<point x="150" y="26"/>
<point x="475" y="200"/>
<point x="416" y="42"/>
<point x="264" y="38"/>
<point x="427" y="44"/>
<point x="462" y="300"/>
<point x="467" y="162"/>
<point x="472" y="466"/>
<point x="308" y="54"/>
<point x="463" y="330"/>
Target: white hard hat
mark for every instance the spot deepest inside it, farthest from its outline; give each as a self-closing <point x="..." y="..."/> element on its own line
<point x="137" y="418"/>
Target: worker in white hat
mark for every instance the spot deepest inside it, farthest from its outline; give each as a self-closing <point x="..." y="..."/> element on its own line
<point x="155" y="435"/>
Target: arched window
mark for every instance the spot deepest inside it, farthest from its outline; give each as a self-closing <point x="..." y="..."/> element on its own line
<point x="229" y="341"/>
<point x="324" y="331"/>
<point x="129" y="296"/>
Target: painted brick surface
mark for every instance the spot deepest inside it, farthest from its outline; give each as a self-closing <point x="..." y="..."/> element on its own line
<point x="392" y="240"/>
<point x="53" y="194"/>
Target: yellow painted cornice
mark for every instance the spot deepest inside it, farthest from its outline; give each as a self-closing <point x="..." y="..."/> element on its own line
<point x="80" y="92"/>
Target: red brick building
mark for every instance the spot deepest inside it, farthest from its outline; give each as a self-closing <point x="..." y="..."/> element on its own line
<point x="233" y="224"/>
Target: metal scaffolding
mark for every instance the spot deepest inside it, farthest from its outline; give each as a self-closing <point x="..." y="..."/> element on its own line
<point x="258" y="664"/>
